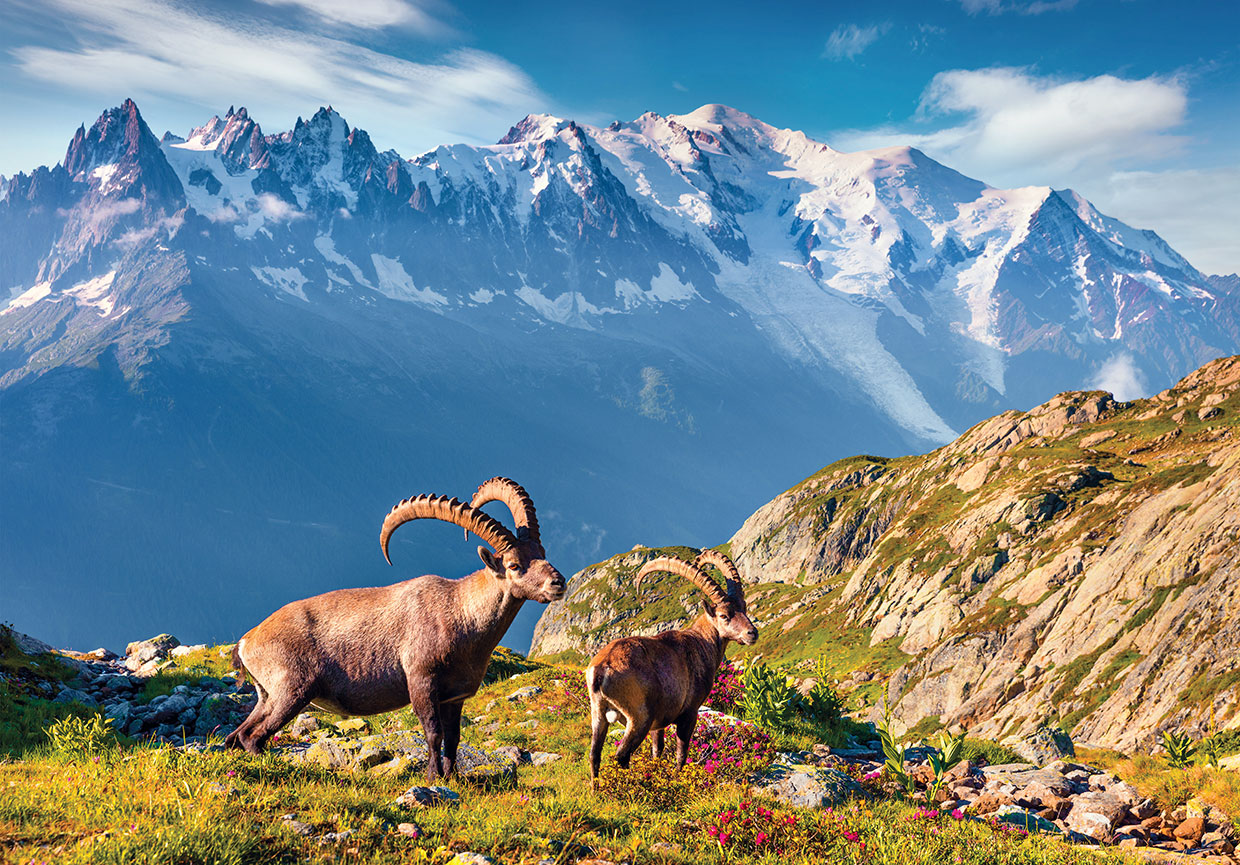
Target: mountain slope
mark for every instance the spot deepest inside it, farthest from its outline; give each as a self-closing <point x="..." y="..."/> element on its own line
<point x="242" y="347"/>
<point x="1075" y="564"/>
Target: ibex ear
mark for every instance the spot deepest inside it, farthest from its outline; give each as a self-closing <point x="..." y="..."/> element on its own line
<point x="491" y="561"/>
<point x="710" y="611"/>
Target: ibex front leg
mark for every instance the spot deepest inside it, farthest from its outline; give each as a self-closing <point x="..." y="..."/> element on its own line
<point x="428" y="712"/>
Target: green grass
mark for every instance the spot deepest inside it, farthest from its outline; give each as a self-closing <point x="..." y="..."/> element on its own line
<point x="109" y="802"/>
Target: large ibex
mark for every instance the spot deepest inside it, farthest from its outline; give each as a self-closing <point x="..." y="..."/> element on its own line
<point x="424" y="642"/>
<point x="656" y="681"/>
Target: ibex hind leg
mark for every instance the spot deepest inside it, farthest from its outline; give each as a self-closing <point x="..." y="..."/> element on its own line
<point x="633" y="735"/>
<point x="280" y="710"/>
<point x="598" y="736"/>
<point x="657" y="739"/>
<point x="238" y="737"/>
<point x="685" y="725"/>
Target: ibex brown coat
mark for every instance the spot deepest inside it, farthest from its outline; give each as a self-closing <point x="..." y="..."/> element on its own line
<point x="664" y="679"/>
<point x="424" y="642"/>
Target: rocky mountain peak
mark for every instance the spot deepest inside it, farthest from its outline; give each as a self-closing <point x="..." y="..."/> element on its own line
<point x="119" y="136"/>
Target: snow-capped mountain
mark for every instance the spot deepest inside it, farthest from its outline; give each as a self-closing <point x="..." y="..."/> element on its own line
<point x="660" y="322"/>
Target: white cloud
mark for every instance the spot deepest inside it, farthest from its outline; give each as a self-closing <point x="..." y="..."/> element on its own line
<point x="1011" y="117"/>
<point x="676" y="85"/>
<point x="848" y="41"/>
<point x="368" y="14"/>
<point x="277" y="208"/>
<point x="137" y="236"/>
<point x="1100" y="136"/>
<point x="167" y="49"/>
<point x="1121" y="376"/>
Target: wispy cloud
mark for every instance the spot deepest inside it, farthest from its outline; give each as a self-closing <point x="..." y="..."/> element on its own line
<point x="369" y="14"/>
<point x="676" y="85"/>
<point x="848" y="41"/>
<point x="1012" y="122"/>
<point x="168" y="49"/>
<point x="1104" y="136"/>
<point x="1022" y="7"/>
<point x="1121" y="376"/>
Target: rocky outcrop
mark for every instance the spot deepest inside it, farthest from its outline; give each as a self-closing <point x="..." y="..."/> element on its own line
<point x="1071" y="566"/>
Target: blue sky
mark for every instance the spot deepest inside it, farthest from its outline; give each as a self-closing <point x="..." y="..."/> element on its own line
<point x="1131" y="102"/>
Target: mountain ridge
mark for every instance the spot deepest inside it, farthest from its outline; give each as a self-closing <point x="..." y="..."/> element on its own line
<point x="1070" y="565"/>
<point x="687" y="308"/>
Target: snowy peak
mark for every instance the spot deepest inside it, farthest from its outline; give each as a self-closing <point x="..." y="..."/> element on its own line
<point x="861" y="264"/>
<point x="237" y="138"/>
<point x="534" y="128"/>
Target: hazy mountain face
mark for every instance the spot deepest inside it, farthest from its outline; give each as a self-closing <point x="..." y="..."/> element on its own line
<point x="224" y="357"/>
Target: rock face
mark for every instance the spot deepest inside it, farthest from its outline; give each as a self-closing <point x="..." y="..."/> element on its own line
<point x="1014" y="579"/>
<point x="1042" y="746"/>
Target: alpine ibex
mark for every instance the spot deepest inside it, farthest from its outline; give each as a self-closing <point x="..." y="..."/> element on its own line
<point x="664" y="679"/>
<point x="424" y="642"/>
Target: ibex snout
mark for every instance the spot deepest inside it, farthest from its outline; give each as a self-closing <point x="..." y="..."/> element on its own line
<point x="555" y="586"/>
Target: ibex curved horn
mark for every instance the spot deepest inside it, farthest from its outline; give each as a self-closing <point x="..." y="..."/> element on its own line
<point x="681" y="568"/>
<point x="727" y="567"/>
<point x="450" y="510"/>
<point x="512" y="494"/>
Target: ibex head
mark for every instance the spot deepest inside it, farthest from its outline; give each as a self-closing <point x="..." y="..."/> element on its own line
<point x="519" y="558"/>
<point x="728" y="611"/>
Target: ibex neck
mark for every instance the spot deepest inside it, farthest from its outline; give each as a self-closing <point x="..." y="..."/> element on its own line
<point x="487" y="606"/>
<point x="703" y="628"/>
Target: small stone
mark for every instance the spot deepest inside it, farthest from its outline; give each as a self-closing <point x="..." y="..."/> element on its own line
<point x="353" y="725"/>
<point x="531" y="724"/>
<point x="511" y="752"/>
<point x="371" y="755"/>
<point x="394" y="768"/>
<point x="989" y="802"/>
<point x="542" y="758"/>
<point x="429" y="797"/>
<point x="139" y="654"/>
<point x="304" y="724"/>
<point x="1096" y="815"/>
<point x="413" y="830"/>
<point x="468" y="857"/>
<point x="522" y="694"/>
<point x="335" y="837"/>
<point x="297" y="827"/>
<point x="1190" y="830"/>
<point x="179" y="651"/>
<point x="1017" y="816"/>
<point x="72" y="695"/>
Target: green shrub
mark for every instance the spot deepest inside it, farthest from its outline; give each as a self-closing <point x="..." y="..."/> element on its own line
<point x="767" y="698"/>
<point x="950" y="752"/>
<point x="654" y="783"/>
<point x="893" y="752"/>
<point x="1180" y="749"/>
<point x="80" y="738"/>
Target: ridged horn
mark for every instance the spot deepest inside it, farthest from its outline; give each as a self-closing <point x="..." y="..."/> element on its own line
<point x="512" y="494"/>
<point x="727" y="567"/>
<point x="450" y="510"/>
<point x="681" y="568"/>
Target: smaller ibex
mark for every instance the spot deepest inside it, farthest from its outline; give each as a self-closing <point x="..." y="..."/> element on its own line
<point x="664" y="679"/>
<point x="423" y="643"/>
